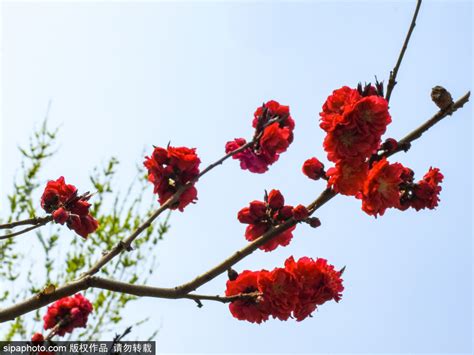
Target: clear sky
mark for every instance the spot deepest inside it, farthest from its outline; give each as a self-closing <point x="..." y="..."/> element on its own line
<point x="124" y="76"/>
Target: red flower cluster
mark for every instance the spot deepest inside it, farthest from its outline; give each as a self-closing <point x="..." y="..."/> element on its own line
<point x="347" y="177"/>
<point x="354" y="124"/>
<point x="293" y="291"/>
<point x="424" y="194"/>
<point x="355" y="121"/>
<point x="391" y="186"/>
<point x="171" y="168"/>
<point x="381" y="189"/>
<point x="275" y="138"/>
<point x="66" y="206"/>
<point x="261" y="216"/>
<point x="72" y="312"/>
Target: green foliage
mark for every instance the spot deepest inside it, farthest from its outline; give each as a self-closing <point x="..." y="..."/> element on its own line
<point x="65" y="255"/>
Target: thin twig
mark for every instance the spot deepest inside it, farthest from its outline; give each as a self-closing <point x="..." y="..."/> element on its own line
<point x="119" y="337"/>
<point x="33" y="221"/>
<point x="23" y="231"/>
<point x="405" y="142"/>
<point x="392" y="81"/>
<point x="223" y="299"/>
<point x="55" y="329"/>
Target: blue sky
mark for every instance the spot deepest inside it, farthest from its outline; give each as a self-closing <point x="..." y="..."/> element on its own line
<point x="124" y="76"/>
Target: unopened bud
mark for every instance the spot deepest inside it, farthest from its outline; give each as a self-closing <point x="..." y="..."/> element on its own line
<point x="441" y="97"/>
<point x="314" y="222"/>
<point x="232" y="274"/>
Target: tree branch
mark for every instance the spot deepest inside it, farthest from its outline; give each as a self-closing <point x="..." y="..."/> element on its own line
<point x="87" y="282"/>
<point x="393" y="74"/>
<point x="33" y="221"/>
<point x="40" y="222"/>
<point x="404" y="143"/>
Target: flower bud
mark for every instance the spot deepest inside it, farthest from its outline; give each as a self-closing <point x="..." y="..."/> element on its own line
<point x="160" y="155"/>
<point x="37" y="338"/>
<point x="300" y="212"/>
<point x="313" y="169"/>
<point x="390" y="145"/>
<point x="314" y="222"/>
<point x="441" y="97"/>
<point x="275" y="199"/>
<point x="245" y="216"/>
<point x="286" y="212"/>
<point x="60" y="215"/>
<point x="258" y="208"/>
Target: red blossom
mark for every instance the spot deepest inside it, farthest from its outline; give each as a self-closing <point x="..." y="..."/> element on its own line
<point x="262" y="216"/>
<point x="280" y="290"/>
<point x="275" y="200"/>
<point x="274" y="126"/>
<point x="61" y="215"/>
<point x="82" y="225"/>
<point x="66" y="207"/>
<point x="293" y="291"/>
<point x="300" y="212"/>
<point x="38" y="339"/>
<point x="381" y="190"/>
<point x="370" y="115"/>
<point x="254" y="231"/>
<point x="313" y="169"/>
<point x="350" y="144"/>
<point x="340" y="101"/>
<point x="171" y="168"/>
<point x="348" y="176"/>
<point x="273" y="110"/>
<point x="354" y="124"/>
<point x="69" y="312"/>
<point x="252" y="310"/>
<point x="423" y="194"/>
<point x="56" y="194"/>
<point x="255" y="162"/>
<point x="275" y="140"/>
<point x="318" y="281"/>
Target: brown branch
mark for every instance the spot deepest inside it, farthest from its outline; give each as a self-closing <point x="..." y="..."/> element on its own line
<point x="157" y="292"/>
<point x="40" y="222"/>
<point x="41" y="300"/>
<point x="33" y="221"/>
<point x="223" y="299"/>
<point x="87" y="282"/>
<point x="392" y="81"/>
<point x="404" y="143"/>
